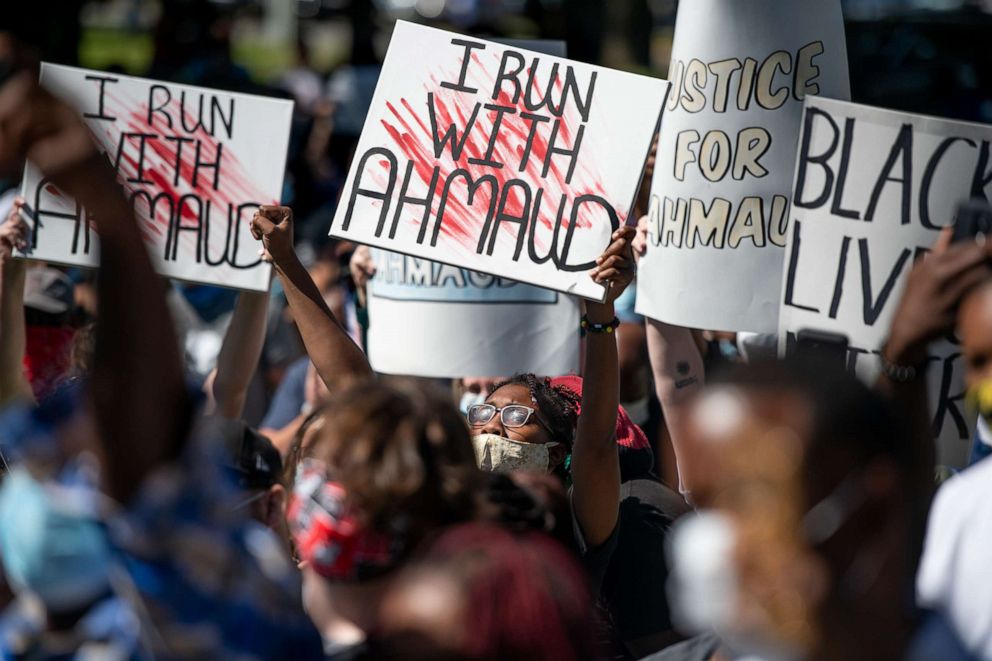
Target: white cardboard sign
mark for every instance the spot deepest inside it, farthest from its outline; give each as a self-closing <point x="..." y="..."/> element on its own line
<point x="873" y="188"/>
<point x="195" y="162"/>
<point x="504" y="161"/>
<point x="429" y="319"/>
<point x="720" y="196"/>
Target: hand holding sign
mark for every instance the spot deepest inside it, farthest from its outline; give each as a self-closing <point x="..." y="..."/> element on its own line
<point x="273" y="226"/>
<point x="616" y="265"/>
<point x="873" y="190"/>
<point x="13" y="232"/>
<point x="934" y="289"/>
<point x="362" y="266"/>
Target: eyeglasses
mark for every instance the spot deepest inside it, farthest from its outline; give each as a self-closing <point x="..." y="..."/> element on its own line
<point x="512" y="415"/>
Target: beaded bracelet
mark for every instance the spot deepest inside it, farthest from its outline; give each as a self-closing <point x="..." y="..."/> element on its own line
<point x="901" y="373"/>
<point x="598" y="329"/>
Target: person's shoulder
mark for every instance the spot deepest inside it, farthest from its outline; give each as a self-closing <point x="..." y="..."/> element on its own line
<point x="935" y="638"/>
<point x="972" y="485"/>
<point x="956" y="526"/>
<point x="971" y="481"/>
<point x="653" y="496"/>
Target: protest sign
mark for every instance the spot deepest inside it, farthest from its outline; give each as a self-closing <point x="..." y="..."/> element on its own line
<point x="504" y="161"/>
<point x="195" y="163"/>
<point x="428" y="319"/>
<point x="718" y="214"/>
<point x="872" y="190"/>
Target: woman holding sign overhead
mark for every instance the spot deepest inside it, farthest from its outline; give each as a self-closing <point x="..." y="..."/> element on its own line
<point x="531" y="424"/>
<point x="525" y="423"/>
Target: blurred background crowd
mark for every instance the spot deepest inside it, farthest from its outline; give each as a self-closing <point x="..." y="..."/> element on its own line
<point x="914" y="55"/>
<point x="923" y="56"/>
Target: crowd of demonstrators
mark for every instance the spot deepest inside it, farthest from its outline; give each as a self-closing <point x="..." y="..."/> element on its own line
<point x="189" y="474"/>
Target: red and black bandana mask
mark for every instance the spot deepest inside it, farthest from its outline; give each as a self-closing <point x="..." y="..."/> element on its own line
<point x="328" y="534"/>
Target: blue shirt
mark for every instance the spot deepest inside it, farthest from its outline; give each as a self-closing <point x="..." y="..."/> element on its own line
<point x="289" y="397"/>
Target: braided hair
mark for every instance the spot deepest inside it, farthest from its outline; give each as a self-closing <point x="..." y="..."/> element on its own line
<point x="557" y="405"/>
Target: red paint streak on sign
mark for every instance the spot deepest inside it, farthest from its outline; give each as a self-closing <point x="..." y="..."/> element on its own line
<point x="170" y="165"/>
<point x="408" y="127"/>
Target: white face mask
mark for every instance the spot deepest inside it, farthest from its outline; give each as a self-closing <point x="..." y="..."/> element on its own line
<point x="496" y="454"/>
<point x="704" y="586"/>
<point x="703" y="582"/>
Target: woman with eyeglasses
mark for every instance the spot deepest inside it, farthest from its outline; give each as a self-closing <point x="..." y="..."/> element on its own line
<point x="525" y="424"/>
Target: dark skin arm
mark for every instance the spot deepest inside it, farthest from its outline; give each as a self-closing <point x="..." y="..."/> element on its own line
<point x="137" y="392"/>
<point x="137" y="384"/>
<point x="13" y="333"/>
<point x="595" y="462"/>
<point x="926" y="312"/>
<point x="339" y="361"/>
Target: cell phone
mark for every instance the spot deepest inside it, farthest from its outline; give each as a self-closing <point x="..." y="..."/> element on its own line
<point x="823" y="346"/>
<point x="972" y="219"/>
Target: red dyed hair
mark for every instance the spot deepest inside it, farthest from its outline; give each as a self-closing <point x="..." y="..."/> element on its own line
<point x="526" y="596"/>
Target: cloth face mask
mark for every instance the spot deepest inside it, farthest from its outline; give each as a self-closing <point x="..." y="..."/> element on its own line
<point x="496" y="454"/>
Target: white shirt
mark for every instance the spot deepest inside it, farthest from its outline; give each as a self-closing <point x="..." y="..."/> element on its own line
<point x="955" y="574"/>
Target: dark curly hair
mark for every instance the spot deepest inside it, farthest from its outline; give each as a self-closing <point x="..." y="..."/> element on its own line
<point x="557" y="405"/>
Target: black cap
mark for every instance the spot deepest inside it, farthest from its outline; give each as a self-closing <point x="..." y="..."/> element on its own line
<point x="255" y="462"/>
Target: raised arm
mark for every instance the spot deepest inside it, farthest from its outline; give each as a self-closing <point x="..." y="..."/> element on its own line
<point x="678" y="372"/>
<point x="595" y="464"/>
<point x="240" y="353"/>
<point x="136" y="386"/>
<point x="139" y="392"/>
<point x="339" y="361"/>
<point x="926" y="312"/>
<point x="13" y="338"/>
<point x="676" y="365"/>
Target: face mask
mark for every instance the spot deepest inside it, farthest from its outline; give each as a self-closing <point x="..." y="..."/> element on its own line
<point x="60" y="556"/>
<point x="980" y="399"/>
<point x="728" y="350"/>
<point x="496" y="454"/>
<point x="704" y="586"/>
<point x="328" y="534"/>
<point x="469" y="400"/>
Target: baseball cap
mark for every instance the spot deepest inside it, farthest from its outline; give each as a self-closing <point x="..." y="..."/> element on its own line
<point x="251" y="458"/>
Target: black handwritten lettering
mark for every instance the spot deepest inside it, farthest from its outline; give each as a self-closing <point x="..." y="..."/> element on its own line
<point x="902" y="149"/>
<point x="469" y="46"/>
<point x="100" y="105"/>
